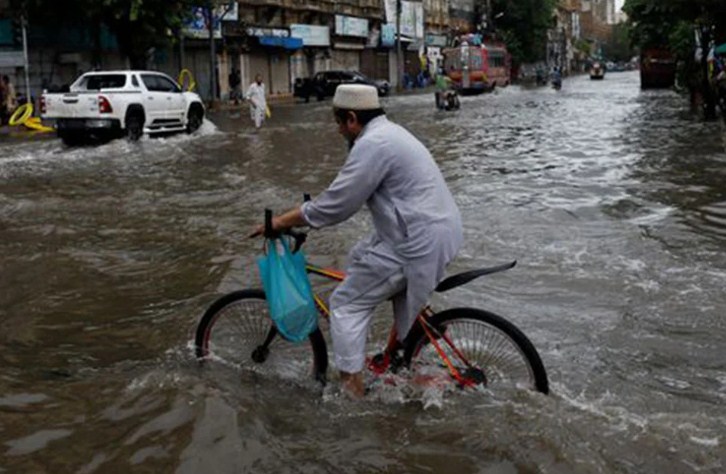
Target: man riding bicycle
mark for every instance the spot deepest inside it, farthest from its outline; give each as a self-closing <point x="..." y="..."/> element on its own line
<point x="417" y="226"/>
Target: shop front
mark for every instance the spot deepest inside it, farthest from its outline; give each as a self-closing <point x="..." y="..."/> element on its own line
<point x="269" y="55"/>
<point x="315" y="53"/>
<point x="351" y="36"/>
<point x="374" y="58"/>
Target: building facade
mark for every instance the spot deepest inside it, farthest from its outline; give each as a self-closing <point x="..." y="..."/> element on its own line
<point x="282" y="40"/>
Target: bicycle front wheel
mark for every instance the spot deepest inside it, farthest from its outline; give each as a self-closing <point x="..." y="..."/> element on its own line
<point x="491" y="345"/>
<point x="237" y="330"/>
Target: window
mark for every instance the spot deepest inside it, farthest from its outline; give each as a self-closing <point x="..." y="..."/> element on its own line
<point x="452" y="62"/>
<point x="167" y="85"/>
<point x="105" y="81"/>
<point x="134" y="81"/>
<point x="155" y="83"/>
<point x="496" y="59"/>
<point x="475" y="62"/>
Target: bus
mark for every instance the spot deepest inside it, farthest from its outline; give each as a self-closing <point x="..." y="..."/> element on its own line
<point x="476" y="68"/>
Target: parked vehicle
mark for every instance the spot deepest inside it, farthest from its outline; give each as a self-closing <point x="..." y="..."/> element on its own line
<point x="107" y="104"/>
<point x="597" y="71"/>
<point x="324" y="83"/>
<point x="476" y="68"/>
<point x="657" y="69"/>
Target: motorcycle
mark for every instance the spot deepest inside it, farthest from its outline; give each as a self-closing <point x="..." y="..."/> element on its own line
<point x="447" y="100"/>
<point x="556" y="84"/>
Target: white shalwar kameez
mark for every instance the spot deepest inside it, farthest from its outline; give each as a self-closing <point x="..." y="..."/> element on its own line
<point x="258" y="103"/>
<point x="417" y="233"/>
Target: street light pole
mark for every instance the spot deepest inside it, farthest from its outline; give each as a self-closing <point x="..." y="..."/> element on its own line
<point x="25" y="57"/>
<point x="399" y="53"/>
<point x="212" y="54"/>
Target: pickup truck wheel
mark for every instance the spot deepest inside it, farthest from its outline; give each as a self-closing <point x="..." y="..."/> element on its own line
<point x="195" y="117"/>
<point x="70" y="138"/>
<point x="134" y="127"/>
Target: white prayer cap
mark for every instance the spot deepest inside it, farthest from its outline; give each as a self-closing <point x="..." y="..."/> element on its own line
<point x="356" y="97"/>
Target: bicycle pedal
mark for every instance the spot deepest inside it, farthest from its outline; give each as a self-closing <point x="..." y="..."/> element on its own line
<point x="260" y="354"/>
<point x="385" y="362"/>
<point x="378" y="364"/>
<point x="474" y="376"/>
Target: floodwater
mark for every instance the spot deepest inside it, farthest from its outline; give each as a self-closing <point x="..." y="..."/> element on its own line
<point x="612" y="200"/>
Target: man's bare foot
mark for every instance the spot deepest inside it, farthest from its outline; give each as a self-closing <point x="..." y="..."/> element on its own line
<point x="352" y="384"/>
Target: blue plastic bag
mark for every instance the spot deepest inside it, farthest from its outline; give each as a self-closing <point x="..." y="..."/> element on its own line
<point x="287" y="288"/>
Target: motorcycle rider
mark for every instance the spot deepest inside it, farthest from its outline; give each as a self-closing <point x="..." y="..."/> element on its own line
<point x="443" y="83"/>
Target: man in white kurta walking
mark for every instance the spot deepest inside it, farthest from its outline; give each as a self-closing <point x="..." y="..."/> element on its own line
<point x="417" y="225"/>
<point x="258" y="104"/>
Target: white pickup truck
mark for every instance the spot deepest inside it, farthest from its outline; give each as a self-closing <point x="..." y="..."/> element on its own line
<point x="109" y="104"/>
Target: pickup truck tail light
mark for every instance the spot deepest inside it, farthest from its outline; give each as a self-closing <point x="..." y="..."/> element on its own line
<point x="42" y="104"/>
<point x="104" y="106"/>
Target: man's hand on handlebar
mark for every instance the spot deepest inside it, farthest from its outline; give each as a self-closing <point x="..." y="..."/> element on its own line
<point x="288" y="220"/>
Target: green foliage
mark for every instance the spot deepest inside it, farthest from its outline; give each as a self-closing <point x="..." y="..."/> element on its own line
<point x="584" y="46"/>
<point x="139" y="25"/>
<point x="653" y="22"/>
<point x="524" y="26"/>
<point x="618" y="47"/>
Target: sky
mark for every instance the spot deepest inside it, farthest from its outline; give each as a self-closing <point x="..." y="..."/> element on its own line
<point x="619" y="5"/>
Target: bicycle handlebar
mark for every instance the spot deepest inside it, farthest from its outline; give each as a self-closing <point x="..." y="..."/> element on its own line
<point x="300" y="237"/>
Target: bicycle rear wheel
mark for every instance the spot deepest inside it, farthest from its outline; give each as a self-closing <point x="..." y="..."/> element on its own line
<point x="234" y="329"/>
<point x="490" y="343"/>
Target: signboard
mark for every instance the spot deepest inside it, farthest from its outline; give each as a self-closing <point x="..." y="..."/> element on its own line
<point x="439" y="41"/>
<point x="260" y="31"/>
<point x="412" y="17"/>
<point x="229" y="12"/>
<point x="7" y="32"/>
<point x="12" y="59"/>
<point x="311" y="35"/>
<point x="351" y="26"/>
<point x="196" y="25"/>
<point x="388" y="35"/>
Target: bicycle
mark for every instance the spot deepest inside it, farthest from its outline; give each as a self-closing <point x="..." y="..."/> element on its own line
<point x="476" y="347"/>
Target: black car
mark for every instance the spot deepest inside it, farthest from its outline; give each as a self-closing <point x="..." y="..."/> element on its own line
<point x="324" y="83"/>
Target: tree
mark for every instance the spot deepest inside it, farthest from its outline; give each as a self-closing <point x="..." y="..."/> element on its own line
<point x="672" y="24"/>
<point x="618" y="48"/>
<point x="524" y="24"/>
<point x="138" y="25"/>
<point x="654" y="21"/>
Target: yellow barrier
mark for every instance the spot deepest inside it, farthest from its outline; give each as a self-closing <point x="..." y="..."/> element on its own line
<point x="186" y="73"/>
<point x="33" y="123"/>
<point x="21" y="114"/>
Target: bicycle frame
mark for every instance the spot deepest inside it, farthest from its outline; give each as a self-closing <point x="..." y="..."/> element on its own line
<point x="392" y="345"/>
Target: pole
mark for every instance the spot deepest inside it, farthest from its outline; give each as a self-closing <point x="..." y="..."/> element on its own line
<point x="25" y="58"/>
<point x="399" y="52"/>
<point x="182" y="55"/>
<point x="212" y="59"/>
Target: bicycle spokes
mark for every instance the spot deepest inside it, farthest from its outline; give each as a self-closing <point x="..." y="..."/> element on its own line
<point x="470" y="376"/>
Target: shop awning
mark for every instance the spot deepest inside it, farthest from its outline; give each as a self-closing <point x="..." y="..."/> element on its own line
<point x="279" y="42"/>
